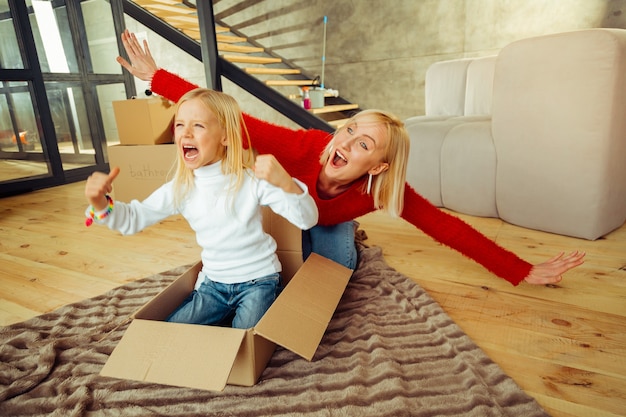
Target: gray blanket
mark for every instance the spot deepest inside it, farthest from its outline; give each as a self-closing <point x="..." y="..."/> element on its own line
<point x="390" y="350"/>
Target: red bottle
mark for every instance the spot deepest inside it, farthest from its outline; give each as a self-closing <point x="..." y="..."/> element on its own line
<point x="306" y="100"/>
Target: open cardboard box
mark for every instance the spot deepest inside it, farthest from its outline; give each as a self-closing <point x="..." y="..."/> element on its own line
<point x="209" y="357"/>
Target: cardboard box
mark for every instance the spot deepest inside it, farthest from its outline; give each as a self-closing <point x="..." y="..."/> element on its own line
<point x="145" y="121"/>
<point x="209" y="357"/>
<point x="143" y="169"/>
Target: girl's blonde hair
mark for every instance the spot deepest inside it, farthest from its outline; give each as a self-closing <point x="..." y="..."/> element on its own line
<point x="388" y="186"/>
<point x="235" y="160"/>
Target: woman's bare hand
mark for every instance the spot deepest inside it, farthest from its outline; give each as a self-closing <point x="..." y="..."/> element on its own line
<point x="142" y="64"/>
<point x="551" y="271"/>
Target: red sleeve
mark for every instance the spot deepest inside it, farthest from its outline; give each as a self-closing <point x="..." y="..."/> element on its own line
<point x="282" y="142"/>
<point x="169" y="85"/>
<point x="455" y="233"/>
<point x="286" y="144"/>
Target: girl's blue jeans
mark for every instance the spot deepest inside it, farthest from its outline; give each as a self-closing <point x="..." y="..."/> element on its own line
<point x="246" y="303"/>
<point x="215" y="303"/>
<point x="334" y="242"/>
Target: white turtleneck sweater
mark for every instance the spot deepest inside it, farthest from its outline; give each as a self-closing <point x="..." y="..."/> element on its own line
<point x="230" y="232"/>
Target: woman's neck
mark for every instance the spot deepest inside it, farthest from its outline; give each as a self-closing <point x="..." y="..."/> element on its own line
<point x="327" y="188"/>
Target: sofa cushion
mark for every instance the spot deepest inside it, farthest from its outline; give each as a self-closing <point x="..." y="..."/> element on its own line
<point x="468" y="169"/>
<point x="479" y="86"/>
<point x="445" y="88"/>
<point x="559" y="128"/>
<point x="423" y="168"/>
<point x="424" y="164"/>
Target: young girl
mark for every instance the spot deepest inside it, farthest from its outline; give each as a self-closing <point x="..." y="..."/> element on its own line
<point x="220" y="195"/>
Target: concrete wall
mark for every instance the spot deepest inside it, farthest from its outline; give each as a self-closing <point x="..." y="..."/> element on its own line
<point x="378" y="51"/>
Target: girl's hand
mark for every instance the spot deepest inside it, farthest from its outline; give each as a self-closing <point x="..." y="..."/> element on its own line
<point x="142" y="64"/>
<point x="267" y="167"/>
<point x="98" y="186"/>
<point x="551" y="271"/>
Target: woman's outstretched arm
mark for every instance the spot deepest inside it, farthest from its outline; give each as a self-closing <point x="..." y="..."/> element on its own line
<point x="460" y="236"/>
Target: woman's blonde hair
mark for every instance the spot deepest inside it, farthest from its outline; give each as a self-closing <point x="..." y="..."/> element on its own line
<point x="388" y="186"/>
<point x="235" y="160"/>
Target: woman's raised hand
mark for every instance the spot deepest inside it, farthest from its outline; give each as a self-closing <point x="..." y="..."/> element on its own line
<point x="142" y="64"/>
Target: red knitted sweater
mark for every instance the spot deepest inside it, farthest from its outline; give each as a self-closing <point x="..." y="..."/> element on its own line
<point x="298" y="151"/>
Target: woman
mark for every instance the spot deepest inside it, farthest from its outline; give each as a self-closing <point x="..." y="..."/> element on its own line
<point x="361" y="169"/>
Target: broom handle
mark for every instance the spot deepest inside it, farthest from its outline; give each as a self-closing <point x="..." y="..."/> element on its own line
<point x="324" y="51"/>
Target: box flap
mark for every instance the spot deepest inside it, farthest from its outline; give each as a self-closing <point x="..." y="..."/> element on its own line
<point x="159" y="352"/>
<point x="299" y="317"/>
<point x="171" y="297"/>
<point x="288" y="242"/>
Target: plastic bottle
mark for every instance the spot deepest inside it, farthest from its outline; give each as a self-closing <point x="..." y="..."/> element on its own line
<point x="306" y="100"/>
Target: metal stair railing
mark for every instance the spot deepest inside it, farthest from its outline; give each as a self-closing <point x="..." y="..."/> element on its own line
<point x="220" y="67"/>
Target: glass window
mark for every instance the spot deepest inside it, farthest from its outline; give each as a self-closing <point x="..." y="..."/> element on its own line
<point x="101" y="36"/>
<point x="10" y="56"/>
<point x="75" y="46"/>
<point x="107" y="94"/>
<point x="21" y="150"/>
<point x="71" y="124"/>
<point x="53" y="39"/>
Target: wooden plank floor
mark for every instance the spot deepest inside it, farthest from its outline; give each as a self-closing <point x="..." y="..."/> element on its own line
<point x="564" y="345"/>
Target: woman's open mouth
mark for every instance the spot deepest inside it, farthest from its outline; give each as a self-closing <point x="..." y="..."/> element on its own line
<point x="339" y="160"/>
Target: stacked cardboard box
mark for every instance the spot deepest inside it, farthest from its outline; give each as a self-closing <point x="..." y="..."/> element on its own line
<point x="146" y="152"/>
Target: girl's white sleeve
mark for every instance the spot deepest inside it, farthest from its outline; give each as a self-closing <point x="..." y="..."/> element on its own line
<point x="133" y="217"/>
<point x="298" y="209"/>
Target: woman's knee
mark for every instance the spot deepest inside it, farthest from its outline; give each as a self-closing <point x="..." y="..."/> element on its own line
<point x="335" y="242"/>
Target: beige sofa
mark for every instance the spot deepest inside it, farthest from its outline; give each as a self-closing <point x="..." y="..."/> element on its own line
<point x="535" y="135"/>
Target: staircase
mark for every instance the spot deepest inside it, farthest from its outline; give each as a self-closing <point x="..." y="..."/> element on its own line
<point x="269" y="68"/>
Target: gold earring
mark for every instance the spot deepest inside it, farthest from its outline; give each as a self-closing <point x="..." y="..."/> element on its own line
<point x="369" y="184"/>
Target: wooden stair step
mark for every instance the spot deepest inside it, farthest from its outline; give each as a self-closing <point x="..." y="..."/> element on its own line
<point x="246" y="59"/>
<point x="185" y="26"/>
<point x="326" y="94"/>
<point x="229" y="38"/>
<point x="289" y="82"/>
<point x="183" y="22"/>
<point x="179" y="21"/>
<point x="143" y="3"/>
<point x="271" y="71"/>
<point x="229" y="47"/>
<point x="334" y="108"/>
<point x="192" y="33"/>
<point x="170" y="8"/>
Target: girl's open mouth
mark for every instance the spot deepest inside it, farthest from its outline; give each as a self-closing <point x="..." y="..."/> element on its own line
<point x="190" y="152"/>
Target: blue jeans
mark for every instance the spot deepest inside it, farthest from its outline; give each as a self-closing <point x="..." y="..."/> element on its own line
<point x="334" y="242"/>
<point x="216" y="303"/>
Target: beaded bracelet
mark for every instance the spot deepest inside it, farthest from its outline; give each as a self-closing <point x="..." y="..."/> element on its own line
<point x="91" y="214"/>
